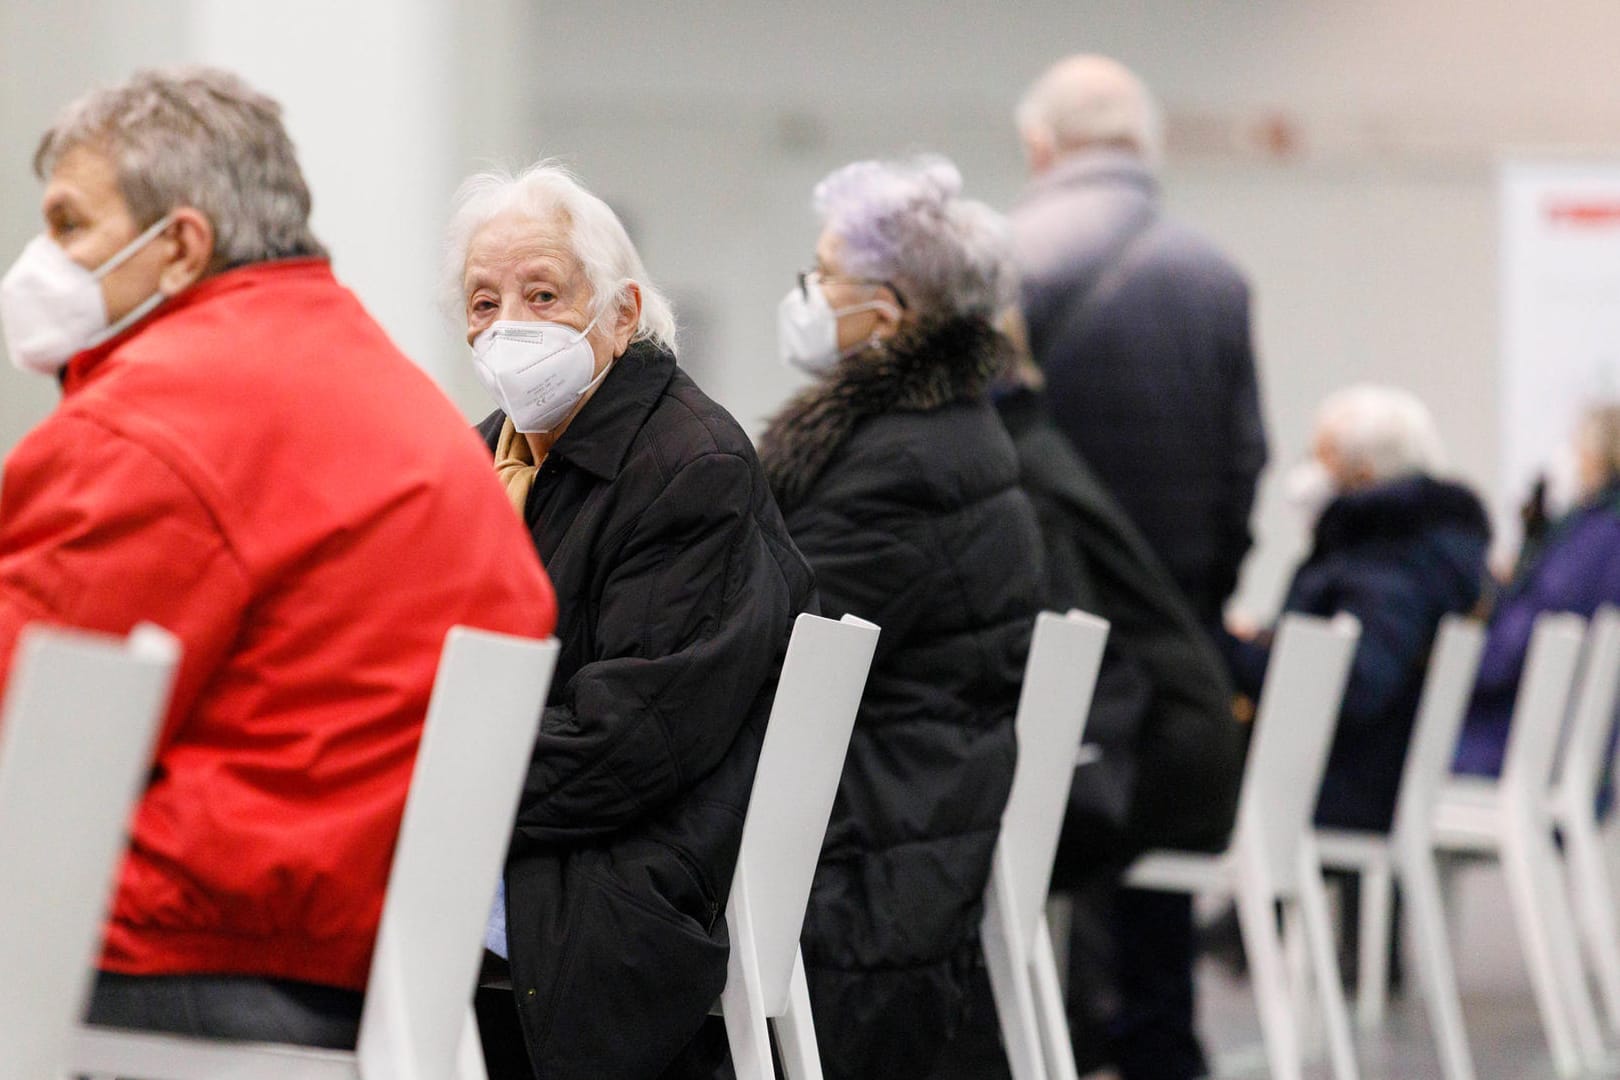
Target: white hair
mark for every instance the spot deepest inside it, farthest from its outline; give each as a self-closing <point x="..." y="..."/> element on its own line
<point x="197" y="137"/>
<point x="1087" y="100"/>
<point x="906" y="222"/>
<point x="546" y="191"/>
<point x="1382" y="429"/>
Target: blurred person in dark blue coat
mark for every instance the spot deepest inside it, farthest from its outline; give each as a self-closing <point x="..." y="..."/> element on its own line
<point x="1398" y="548"/>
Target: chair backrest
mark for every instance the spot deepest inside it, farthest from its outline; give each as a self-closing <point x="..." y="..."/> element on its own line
<point x="1592" y="717"/>
<point x="1299" y="708"/>
<point x="817" y="697"/>
<point x="1453" y="667"/>
<point x="81" y="715"/>
<point x="1543" y="702"/>
<point x="476" y="744"/>
<point x="1059" y="678"/>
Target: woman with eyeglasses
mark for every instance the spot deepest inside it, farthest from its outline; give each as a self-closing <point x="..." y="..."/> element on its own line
<point x="900" y="486"/>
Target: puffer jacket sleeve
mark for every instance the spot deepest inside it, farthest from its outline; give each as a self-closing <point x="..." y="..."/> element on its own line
<point x="690" y="622"/>
<point x="100" y="532"/>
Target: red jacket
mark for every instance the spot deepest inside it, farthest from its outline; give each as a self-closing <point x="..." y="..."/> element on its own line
<point x="257" y="468"/>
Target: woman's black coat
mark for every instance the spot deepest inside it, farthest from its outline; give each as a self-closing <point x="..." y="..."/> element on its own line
<point x="676" y="589"/>
<point x="1171" y="751"/>
<point x="900" y="486"/>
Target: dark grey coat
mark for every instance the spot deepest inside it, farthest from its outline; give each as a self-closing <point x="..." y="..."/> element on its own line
<point x="1154" y="380"/>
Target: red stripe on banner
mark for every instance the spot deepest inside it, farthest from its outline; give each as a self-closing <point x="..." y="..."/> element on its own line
<point x="1587" y="213"/>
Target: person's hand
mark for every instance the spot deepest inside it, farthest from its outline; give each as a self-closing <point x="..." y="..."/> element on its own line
<point x="1241" y="626"/>
<point x="1243" y="708"/>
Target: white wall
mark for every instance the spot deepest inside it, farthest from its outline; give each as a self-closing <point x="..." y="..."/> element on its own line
<point x="1372" y="247"/>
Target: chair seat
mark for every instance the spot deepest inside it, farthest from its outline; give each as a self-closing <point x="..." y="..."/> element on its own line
<point x="1352" y="849"/>
<point x="1468" y="816"/>
<point x="1182" y="871"/>
<point x="114" y="1052"/>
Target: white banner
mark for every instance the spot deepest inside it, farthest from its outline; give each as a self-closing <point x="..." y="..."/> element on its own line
<point x="1560" y="265"/>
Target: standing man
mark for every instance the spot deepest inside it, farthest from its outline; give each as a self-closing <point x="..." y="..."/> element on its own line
<point x="1142" y="329"/>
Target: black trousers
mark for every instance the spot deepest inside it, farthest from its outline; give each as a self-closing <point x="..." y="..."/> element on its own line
<point x="229" y="1007"/>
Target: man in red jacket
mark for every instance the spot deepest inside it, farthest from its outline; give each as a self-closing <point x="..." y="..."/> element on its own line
<point x="242" y="456"/>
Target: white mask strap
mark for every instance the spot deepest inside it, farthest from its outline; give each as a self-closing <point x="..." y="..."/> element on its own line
<point x="129" y="250"/>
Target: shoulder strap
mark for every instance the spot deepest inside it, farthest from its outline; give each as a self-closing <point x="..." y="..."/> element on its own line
<point x="1113" y="272"/>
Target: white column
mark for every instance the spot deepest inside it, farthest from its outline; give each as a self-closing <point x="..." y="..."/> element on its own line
<point x="368" y="90"/>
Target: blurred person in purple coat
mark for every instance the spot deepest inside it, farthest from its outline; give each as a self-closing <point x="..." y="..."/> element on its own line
<point x="1573" y="565"/>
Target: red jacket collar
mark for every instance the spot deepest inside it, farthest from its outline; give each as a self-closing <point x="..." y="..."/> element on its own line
<point x="80" y="368"/>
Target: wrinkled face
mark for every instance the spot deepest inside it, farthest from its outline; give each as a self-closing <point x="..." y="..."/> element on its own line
<point x="88" y="218"/>
<point x="1346" y="476"/>
<point x="520" y="268"/>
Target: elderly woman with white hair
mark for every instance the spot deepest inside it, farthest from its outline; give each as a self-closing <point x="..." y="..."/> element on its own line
<point x="1395" y="546"/>
<point x="901" y="488"/>
<point x="676" y="587"/>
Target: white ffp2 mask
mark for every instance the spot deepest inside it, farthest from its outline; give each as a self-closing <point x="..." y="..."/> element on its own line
<point x="51" y="308"/>
<point x="807" y="328"/>
<point x="536" y="371"/>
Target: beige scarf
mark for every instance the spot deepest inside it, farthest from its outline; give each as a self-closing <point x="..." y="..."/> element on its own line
<point x="515" y="465"/>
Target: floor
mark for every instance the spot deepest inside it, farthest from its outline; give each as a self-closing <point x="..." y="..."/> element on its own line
<point x="1504" y="1029"/>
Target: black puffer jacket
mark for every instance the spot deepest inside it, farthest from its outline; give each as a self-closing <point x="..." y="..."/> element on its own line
<point x="676" y="590"/>
<point x="900" y="486"/>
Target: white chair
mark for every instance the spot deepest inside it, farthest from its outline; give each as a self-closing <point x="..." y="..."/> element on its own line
<point x="1509" y="819"/>
<point x="1407" y="852"/>
<point x="1059" y="678"/>
<point x="800" y="763"/>
<point x="417" y="1022"/>
<point x="1574" y="801"/>
<point x="81" y="714"/>
<point x="1272" y="855"/>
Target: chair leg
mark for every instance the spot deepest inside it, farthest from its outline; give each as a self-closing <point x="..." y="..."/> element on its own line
<point x="1050" y="1014"/>
<point x="1431" y="938"/>
<point x="1372" y="965"/>
<point x="1257" y="916"/>
<point x="742" y="1002"/>
<point x="470" y="1051"/>
<point x="1594" y="907"/>
<point x="796" y="1030"/>
<point x="1325" y="960"/>
<point x="1535" y="939"/>
<point x="1552" y="893"/>
<point x="1008" y="969"/>
<point x="1297" y="953"/>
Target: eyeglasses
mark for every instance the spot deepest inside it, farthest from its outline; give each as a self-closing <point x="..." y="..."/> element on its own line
<point x="813" y="274"/>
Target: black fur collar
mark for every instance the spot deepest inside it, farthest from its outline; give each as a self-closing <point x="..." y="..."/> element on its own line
<point x="1399" y="509"/>
<point x="918" y="370"/>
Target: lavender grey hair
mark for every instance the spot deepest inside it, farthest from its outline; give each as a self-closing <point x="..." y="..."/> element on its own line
<point x="198" y="137"/>
<point x="547" y="190"/>
<point x="906" y="222"/>
<point x="1385" y="430"/>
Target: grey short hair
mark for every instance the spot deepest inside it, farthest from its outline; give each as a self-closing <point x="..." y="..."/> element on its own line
<point x="1382" y="429"/>
<point x="198" y="137"/>
<point x="1090" y="100"/>
<point x="906" y="222"/>
<point x="543" y="191"/>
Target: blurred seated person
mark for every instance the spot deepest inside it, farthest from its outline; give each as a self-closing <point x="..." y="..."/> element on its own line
<point x="678" y="586"/>
<point x="1574" y="566"/>
<point x="900" y="486"/>
<point x="1397" y="547"/>
<point x="243" y="457"/>
<point x="1169" y="749"/>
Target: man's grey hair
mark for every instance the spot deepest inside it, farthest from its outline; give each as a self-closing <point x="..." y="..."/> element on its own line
<point x="1382" y="429"/>
<point x="197" y="137"/>
<point x="905" y="222"/>
<point x="1089" y="101"/>
<point x="547" y="191"/>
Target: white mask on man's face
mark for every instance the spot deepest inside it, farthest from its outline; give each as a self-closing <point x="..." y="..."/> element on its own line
<point x="51" y="308"/>
<point x="1309" y="487"/>
<point x="537" y="372"/>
